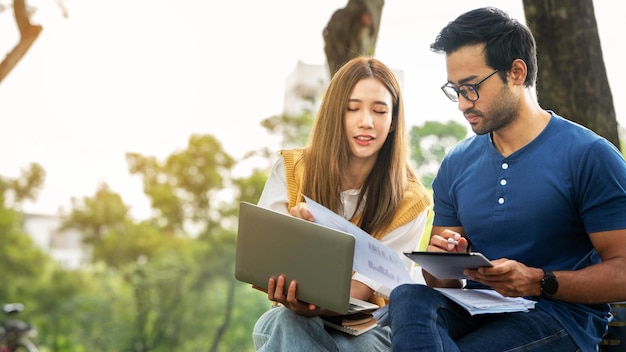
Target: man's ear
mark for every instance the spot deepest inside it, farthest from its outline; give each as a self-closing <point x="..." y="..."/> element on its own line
<point x="518" y="71"/>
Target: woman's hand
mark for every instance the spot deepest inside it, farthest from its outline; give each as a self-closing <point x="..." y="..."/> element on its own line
<point x="276" y="293"/>
<point x="301" y="210"/>
<point x="360" y="290"/>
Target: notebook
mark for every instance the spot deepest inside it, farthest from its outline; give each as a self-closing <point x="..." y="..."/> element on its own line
<point x="320" y="258"/>
<point x="354" y="324"/>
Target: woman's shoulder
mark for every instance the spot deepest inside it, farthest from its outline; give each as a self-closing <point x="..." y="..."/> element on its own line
<point x="416" y="195"/>
<point x="293" y="153"/>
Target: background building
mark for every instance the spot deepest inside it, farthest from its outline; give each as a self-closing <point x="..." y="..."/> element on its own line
<point x="65" y="246"/>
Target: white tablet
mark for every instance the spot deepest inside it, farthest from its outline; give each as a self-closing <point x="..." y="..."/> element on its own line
<point x="448" y="265"/>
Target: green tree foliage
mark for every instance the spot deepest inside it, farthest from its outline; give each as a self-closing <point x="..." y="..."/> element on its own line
<point x="187" y="193"/>
<point x="185" y="187"/>
<point x="161" y="300"/>
<point x="28" y="275"/>
<point x="430" y="142"/>
<point x="97" y="215"/>
<point x="141" y="254"/>
<point x="83" y="310"/>
<point x="115" y="239"/>
<point x="170" y="277"/>
<point x="250" y="188"/>
<point x="21" y="261"/>
<point x="293" y="129"/>
<point x="13" y="191"/>
<point x="136" y="243"/>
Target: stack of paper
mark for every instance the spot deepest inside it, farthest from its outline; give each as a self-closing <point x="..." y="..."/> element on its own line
<point x="483" y="301"/>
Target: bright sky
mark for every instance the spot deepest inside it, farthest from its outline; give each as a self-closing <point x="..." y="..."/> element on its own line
<point x="141" y="76"/>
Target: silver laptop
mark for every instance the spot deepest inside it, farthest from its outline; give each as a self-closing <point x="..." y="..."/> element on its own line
<point x="270" y="243"/>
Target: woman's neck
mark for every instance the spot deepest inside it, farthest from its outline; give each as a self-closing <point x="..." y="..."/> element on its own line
<point x="356" y="173"/>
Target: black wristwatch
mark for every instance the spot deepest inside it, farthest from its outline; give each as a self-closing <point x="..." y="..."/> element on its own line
<point x="549" y="285"/>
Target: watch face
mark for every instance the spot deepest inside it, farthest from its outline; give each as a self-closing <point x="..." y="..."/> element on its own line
<point x="549" y="285"/>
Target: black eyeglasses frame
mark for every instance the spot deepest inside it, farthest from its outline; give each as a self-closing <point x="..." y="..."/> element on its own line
<point x="448" y="89"/>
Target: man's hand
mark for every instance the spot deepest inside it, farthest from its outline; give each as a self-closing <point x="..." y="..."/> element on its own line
<point x="447" y="241"/>
<point x="510" y="278"/>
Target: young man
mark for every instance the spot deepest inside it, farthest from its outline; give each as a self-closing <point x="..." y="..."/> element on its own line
<point x="543" y="198"/>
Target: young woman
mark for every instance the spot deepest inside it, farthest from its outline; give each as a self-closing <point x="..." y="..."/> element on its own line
<point x="355" y="164"/>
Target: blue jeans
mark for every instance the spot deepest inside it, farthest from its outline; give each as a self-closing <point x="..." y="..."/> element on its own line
<point x="280" y="329"/>
<point x="422" y="319"/>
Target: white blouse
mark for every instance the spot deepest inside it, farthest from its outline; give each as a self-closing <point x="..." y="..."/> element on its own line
<point x="405" y="238"/>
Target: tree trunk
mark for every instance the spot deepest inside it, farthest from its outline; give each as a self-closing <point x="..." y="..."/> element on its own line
<point x="572" y="78"/>
<point x="352" y="31"/>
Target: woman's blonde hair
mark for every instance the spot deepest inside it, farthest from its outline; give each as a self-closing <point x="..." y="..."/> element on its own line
<point x="327" y="152"/>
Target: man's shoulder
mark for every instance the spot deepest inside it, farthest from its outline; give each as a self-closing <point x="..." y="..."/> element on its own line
<point x="579" y="139"/>
<point x="572" y="128"/>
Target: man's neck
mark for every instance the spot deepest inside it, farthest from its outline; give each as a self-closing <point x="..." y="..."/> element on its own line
<point x="523" y="130"/>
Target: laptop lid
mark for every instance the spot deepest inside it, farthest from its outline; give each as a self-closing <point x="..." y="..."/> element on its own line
<point x="270" y="243"/>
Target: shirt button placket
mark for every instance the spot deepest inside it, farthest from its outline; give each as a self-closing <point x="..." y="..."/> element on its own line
<point x="501" y="190"/>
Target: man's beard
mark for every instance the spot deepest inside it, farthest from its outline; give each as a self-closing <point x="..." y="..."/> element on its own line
<point x="501" y="114"/>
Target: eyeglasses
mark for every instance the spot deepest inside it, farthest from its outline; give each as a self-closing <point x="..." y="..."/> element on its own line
<point x="468" y="91"/>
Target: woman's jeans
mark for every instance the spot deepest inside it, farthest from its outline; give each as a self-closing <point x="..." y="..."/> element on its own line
<point x="423" y="319"/>
<point x="280" y="329"/>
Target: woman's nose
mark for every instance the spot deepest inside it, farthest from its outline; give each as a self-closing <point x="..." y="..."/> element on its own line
<point x="366" y="120"/>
